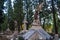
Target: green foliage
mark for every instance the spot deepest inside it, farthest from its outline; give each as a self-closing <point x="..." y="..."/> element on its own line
<point x="1" y="13"/>
<point x="10" y="16"/>
<point x="10" y="10"/>
<point x="18" y="13"/>
<point x="18" y="10"/>
<point x="11" y="25"/>
<point x="1" y="17"/>
<point x="30" y="18"/>
<point x="20" y="38"/>
<point x="58" y="25"/>
<point x="1" y="4"/>
<point x="4" y="25"/>
<point x="29" y="13"/>
<point x="58" y="3"/>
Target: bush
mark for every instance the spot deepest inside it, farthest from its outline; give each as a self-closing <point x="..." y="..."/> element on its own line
<point x="11" y="25"/>
<point x="20" y="38"/>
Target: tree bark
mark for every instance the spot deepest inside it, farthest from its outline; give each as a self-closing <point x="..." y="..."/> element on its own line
<point x="43" y="23"/>
<point x="18" y="27"/>
<point x="54" y="18"/>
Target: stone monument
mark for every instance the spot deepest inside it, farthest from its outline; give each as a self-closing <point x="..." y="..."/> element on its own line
<point x="36" y="32"/>
<point x="8" y="32"/>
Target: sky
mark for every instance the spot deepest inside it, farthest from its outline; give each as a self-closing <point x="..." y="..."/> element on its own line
<point x="5" y="5"/>
<point x="13" y="4"/>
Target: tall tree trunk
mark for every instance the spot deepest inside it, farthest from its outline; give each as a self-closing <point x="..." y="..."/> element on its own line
<point x="27" y="26"/>
<point x="18" y="27"/>
<point x="0" y="28"/>
<point x="54" y="18"/>
<point x="21" y="27"/>
<point x="44" y="24"/>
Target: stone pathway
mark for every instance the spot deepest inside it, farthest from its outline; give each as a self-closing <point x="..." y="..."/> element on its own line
<point x="59" y="38"/>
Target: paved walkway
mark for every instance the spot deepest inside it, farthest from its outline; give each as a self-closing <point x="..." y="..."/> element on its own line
<point x="59" y="38"/>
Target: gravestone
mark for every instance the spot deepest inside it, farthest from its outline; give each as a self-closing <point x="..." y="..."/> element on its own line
<point x="8" y="32"/>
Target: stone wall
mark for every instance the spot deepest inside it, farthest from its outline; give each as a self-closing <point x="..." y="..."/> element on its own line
<point x="3" y="38"/>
